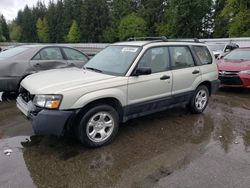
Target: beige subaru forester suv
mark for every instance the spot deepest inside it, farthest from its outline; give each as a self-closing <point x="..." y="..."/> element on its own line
<point x="125" y="80"/>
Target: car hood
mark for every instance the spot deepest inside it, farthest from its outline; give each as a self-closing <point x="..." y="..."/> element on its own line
<point x="232" y="65"/>
<point x="58" y="80"/>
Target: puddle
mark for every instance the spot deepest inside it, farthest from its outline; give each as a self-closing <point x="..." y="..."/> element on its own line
<point x="169" y="149"/>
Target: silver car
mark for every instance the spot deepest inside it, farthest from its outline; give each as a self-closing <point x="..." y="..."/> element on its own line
<point x="19" y="62"/>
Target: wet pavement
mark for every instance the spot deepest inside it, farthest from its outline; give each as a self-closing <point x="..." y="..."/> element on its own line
<point x="169" y="149"/>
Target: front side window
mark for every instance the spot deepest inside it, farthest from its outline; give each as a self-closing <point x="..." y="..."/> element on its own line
<point x="74" y="55"/>
<point x="203" y="55"/>
<point x="181" y="57"/>
<point x="156" y="58"/>
<point x="49" y="54"/>
<point x="114" y="60"/>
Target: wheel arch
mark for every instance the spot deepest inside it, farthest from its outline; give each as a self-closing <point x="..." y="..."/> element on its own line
<point x="112" y="101"/>
<point x="208" y="85"/>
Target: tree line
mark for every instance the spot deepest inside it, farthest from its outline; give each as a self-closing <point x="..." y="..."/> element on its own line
<point x="114" y="20"/>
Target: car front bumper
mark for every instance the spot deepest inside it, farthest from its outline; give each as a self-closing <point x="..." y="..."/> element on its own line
<point x="241" y="80"/>
<point x="245" y="78"/>
<point x="46" y="122"/>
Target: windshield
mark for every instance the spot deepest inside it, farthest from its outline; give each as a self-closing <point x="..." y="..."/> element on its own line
<point x="238" y="55"/>
<point x="216" y="47"/>
<point x="12" y="52"/>
<point x="114" y="60"/>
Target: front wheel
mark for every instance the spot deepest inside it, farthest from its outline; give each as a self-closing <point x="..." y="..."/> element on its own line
<point x="98" y="126"/>
<point x="199" y="100"/>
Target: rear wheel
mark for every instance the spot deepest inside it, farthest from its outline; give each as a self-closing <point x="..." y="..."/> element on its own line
<point x="199" y="100"/>
<point x="98" y="126"/>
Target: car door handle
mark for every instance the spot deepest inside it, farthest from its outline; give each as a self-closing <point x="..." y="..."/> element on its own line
<point x="165" y="77"/>
<point x="37" y="65"/>
<point x="195" y="72"/>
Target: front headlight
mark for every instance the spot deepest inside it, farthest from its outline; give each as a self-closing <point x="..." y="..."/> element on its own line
<point x="245" y="72"/>
<point x="48" y="101"/>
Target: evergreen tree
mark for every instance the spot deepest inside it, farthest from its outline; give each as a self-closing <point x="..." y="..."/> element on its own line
<point x="95" y="20"/>
<point x="220" y="22"/>
<point x="1" y="34"/>
<point x="5" y="29"/>
<point x="118" y="9"/>
<point x="152" y="11"/>
<point x="15" y="32"/>
<point x="55" y="21"/>
<point x="132" y="26"/>
<point x="74" y="34"/>
<point x="185" y="18"/>
<point x="27" y="23"/>
<point x="42" y="30"/>
<point x="237" y="12"/>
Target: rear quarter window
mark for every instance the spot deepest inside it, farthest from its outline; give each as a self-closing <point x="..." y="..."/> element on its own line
<point x="203" y="54"/>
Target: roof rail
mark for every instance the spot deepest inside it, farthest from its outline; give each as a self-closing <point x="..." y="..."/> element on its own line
<point x="163" y="38"/>
<point x="185" y="40"/>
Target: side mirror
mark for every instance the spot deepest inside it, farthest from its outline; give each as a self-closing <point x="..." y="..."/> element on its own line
<point x="143" y="71"/>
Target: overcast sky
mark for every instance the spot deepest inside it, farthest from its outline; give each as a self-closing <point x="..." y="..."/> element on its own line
<point x="9" y="8"/>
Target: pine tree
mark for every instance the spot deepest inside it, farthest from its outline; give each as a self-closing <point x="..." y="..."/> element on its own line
<point x="1" y="34"/>
<point x="237" y="13"/>
<point x="220" y="22"/>
<point x="74" y="33"/>
<point x="118" y="9"/>
<point x="152" y="11"/>
<point x="95" y="14"/>
<point x="5" y="29"/>
<point x="15" y="32"/>
<point x="185" y="18"/>
<point x="42" y="30"/>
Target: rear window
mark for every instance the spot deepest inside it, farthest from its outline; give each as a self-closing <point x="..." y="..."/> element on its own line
<point x="203" y="55"/>
<point x="12" y="52"/>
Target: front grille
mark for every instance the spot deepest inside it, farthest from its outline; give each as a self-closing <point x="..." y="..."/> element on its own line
<point x="25" y="94"/>
<point x="230" y="80"/>
<point x="229" y="73"/>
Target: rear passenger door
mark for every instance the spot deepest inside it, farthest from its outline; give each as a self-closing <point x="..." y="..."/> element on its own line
<point x="186" y="75"/>
<point x="48" y="58"/>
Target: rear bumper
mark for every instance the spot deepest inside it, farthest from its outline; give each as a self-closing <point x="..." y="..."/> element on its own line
<point x="9" y="83"/>
<point x="46" y="122"/>
<point x="215" y="86"/>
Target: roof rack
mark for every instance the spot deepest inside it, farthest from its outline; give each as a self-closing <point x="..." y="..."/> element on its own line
<point x="185" y="40"/>
<point x="164" y="39"/>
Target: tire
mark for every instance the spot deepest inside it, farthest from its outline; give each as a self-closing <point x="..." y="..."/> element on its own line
<point x="9" y="96"/>
<point x="98" y="126"/>
<point x="199" y="100"/>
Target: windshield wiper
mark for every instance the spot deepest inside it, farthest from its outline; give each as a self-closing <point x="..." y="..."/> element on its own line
<point x="93" y="69"/>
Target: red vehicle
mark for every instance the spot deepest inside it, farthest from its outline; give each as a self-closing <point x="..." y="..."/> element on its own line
<point x="234" y="68"/>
